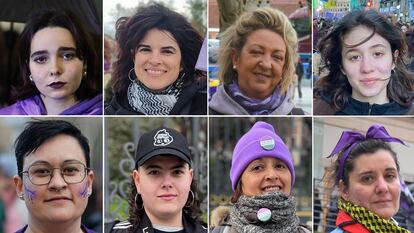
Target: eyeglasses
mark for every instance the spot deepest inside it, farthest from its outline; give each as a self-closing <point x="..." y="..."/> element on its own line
<point x="41" y="174"/>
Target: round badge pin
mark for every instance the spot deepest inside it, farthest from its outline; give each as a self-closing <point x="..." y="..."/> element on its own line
<point x="267" y="143"/>
<point x="264" y="214"/>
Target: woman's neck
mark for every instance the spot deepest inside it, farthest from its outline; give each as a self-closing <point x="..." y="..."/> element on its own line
<point x="57" y="106"/>
<point x="381" y="98"/>
<point x="169" y="220"/>
<point x="61" y="227"/>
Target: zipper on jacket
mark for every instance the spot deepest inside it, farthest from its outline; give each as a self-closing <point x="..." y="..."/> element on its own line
<point x="369" y="110"/>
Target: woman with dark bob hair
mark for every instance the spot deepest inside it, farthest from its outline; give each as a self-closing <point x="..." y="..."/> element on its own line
<point x="54" y="177"/>
<point x="155" y="71"/>
<point x="367" y="173"/>
<point x="59" y="68"/>
<point x="163" y="193"/>
<point x="257" y="66"/>
<point x="367" y="74"/>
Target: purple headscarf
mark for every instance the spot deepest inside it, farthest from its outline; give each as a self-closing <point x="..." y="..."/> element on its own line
<point x="350" y="139"/>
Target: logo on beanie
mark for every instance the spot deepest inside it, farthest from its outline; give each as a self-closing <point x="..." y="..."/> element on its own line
<point x="267" y="143"/>
<point x="162" y="138"/>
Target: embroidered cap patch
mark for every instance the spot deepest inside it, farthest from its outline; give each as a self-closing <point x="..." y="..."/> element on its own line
<point x="267" y="143"/>
<point x="162" y="138"/>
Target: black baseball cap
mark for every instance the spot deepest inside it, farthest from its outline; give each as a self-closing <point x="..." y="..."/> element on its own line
<point x="162" y="141"/>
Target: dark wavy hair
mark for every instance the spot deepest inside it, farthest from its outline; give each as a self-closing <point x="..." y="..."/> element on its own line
<point x="136" y="209"/>
<point x="91" y="85"/>
<point x="335" y="84"/>
<point x="131" y="30"/>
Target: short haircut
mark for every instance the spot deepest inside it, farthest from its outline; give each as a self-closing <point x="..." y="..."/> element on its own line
<point x="39" y="131"/>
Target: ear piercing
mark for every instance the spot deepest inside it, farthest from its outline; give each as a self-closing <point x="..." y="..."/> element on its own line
<point x="21" y="196"/>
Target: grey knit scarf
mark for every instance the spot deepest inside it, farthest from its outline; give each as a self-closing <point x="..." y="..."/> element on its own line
<point x="243" y="215"/>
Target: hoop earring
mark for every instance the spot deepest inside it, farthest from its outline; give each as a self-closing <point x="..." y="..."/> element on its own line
<point x="31" y="78"/>
<point x="192" y="202"/>
<point x="392" y="71"/>
<point x="84" y="74"/>
<point x="142" y="206"/>
<point x="182" y="76"/>
<point x="21" y="196"/>
<point x="129" y="75"/>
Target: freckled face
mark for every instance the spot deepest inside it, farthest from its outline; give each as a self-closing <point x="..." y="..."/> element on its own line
<point x="374" y="184"/>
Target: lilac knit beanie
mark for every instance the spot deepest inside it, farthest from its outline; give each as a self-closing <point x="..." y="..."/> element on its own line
<point x="260" y="141"/>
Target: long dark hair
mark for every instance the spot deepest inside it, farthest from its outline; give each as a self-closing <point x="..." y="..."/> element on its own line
<point x="131" y="30"/>
<point x="91" y="85"/>
<point x="136" y="210"/>
<point x="335" y="84"/>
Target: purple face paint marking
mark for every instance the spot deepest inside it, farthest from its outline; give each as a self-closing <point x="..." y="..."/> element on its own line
<point x="84" y="192"/>
<point x="30" y="194"/>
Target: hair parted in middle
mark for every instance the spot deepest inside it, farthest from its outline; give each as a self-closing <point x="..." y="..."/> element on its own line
<point x="234" y="38"/>
<point x="130" y="31"/>
<point x="401" y="85"/>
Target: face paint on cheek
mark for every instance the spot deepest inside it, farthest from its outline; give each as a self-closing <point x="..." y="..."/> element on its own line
<point x="30" y="194"/>
<point x="84" y="191"/>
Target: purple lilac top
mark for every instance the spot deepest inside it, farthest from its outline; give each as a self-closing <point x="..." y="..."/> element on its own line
<point x="34" y="106"/>
<point x="84" y="229"/>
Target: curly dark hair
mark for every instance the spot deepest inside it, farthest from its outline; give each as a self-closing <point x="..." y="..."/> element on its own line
<point x="91" y="85"/>
<point x="130" y="31"/>
<point x="335" y="84"/>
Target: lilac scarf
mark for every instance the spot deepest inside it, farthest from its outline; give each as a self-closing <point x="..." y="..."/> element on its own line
<point x="34" y="106"/>
<point x="255" y="106"/>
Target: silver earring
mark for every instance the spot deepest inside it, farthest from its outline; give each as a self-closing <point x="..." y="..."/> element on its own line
<point x="21" y="196"/>
<point x="129" y="75"/>
<point x="84" y="74"/>
<point x="392" y="71"/>
<point x="31" y="78"/>
<point x="192" y="201"/>
<point x="234" y="67"/>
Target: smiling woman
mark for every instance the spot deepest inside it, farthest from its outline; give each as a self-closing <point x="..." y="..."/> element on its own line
<point x="58" y="68"/>
<point x="262" y="176"/>
<point x="257" y="65"/>
<point x="155" y="72"/>
<point x="364" y="54"/>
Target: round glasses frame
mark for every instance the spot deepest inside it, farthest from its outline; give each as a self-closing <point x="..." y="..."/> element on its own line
<point x="85" y="171"/>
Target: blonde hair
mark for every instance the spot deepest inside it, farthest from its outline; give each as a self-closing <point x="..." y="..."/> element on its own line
<point x="236" y="35"/>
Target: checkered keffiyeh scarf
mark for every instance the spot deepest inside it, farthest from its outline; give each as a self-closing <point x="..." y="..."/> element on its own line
<point x="370" y="220"/>
<point x="143" y="100"/>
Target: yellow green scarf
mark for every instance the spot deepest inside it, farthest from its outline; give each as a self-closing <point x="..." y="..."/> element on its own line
<point x="370" y="220"/>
